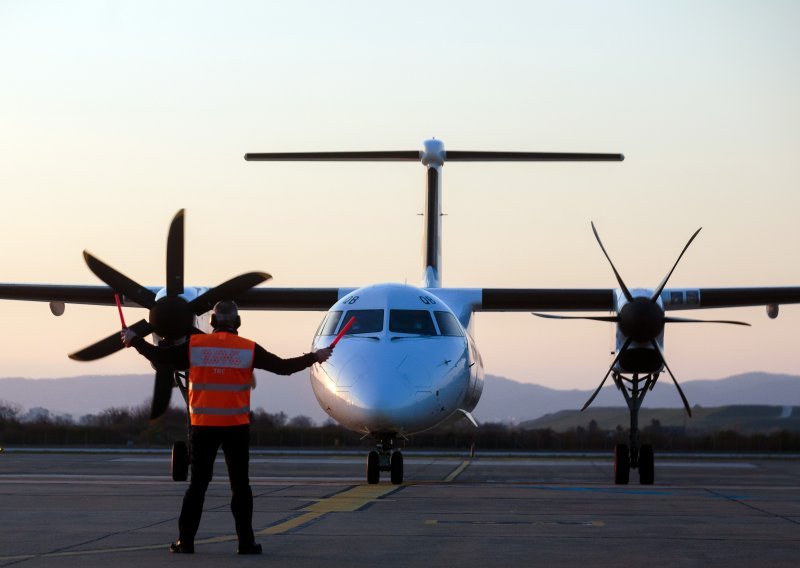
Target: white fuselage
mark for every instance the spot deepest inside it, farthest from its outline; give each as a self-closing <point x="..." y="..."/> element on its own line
<point x="406" y="366"/>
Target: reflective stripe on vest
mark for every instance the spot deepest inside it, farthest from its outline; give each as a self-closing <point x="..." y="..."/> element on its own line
<point x="220" y="375"/>
<point x="223" y="357"/>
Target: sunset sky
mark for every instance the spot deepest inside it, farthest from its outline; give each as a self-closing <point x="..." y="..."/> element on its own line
<point x="114" y="115"/>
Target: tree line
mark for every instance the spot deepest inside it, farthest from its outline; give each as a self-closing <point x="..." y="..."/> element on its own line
<point x="131" y="427"/>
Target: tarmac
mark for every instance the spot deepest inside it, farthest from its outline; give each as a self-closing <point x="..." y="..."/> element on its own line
<point x="120" y="509"/>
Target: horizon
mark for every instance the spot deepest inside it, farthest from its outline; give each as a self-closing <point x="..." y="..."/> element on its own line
<point x="503" y="400"/>
<point x="301" y="376"/>
<point x="117" y="115"/>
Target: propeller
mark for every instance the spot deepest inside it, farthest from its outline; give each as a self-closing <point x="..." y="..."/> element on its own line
<point x="641" y="319"/>
<point x="171" y="316"/>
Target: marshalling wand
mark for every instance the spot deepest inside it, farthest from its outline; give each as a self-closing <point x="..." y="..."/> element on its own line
<point x="347" y="326"/>
<point x="119" y="309"/>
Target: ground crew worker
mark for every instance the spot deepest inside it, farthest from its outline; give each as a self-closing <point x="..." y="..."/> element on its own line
<point x="220" y="379"/>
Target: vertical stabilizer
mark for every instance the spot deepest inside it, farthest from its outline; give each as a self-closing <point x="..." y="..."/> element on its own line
<point x="433" y="158"/>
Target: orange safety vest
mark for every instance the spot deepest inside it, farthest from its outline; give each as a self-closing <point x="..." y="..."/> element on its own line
<point x="220" y="376"/>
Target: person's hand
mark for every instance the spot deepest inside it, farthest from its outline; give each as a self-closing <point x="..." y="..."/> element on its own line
<point x="323" y="354"/>
<point x="127" y="335"/>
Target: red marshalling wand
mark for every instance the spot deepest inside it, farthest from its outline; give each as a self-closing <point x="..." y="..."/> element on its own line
<point x="347" y="326"/>
<point x="119" y="309"/>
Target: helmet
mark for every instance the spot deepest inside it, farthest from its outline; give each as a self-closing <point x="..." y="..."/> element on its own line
<point x="226" y="316"/>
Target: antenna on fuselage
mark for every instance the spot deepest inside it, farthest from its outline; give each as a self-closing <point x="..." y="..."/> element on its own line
<point x="433" y="156"/>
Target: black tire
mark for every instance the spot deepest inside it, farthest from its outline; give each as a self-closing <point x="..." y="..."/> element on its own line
<point x="373" y="468"/>
<point x="180" y="461"/>
<point x="647" y="466"/>
<point x="622" y="464"/>
<point x="397" y="468"/>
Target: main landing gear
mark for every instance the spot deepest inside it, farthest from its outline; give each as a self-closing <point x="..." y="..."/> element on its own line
<point x="634" y="455"/>
<point x="179" y="465"/>
<point x="385" y="458"/>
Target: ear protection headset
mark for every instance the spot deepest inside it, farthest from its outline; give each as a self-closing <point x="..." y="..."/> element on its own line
<point x="226" y="315"/>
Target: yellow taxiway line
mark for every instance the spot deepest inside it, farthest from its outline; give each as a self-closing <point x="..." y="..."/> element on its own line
<point x="347" y="501"/>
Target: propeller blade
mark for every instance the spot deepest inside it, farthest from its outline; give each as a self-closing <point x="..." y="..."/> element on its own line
<point x="619" y="278"/>
<point x="162" y="391"/>
<point x="594" y="318"/>
<point x="110" y="344"/>
<point x="175" y="255"/>
<point x="686" y="320"/>
<point x="674" y="380"/>
<point x="119" y="282"/>
<point x="661" y="286"/>
<point x="228" y="290"/>
<point x="596" y="392"/>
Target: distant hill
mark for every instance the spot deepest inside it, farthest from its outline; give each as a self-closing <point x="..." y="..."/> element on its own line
<point x="503" y="400"/>
<point x="745" y="419"/>
<point x="78" y="396"/>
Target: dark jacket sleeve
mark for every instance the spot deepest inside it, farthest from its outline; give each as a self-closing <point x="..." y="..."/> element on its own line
<point x="263" y="359"/>
<point x="176" y="356"/>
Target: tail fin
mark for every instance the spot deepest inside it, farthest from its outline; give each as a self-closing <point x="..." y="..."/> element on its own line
<point x="432" y="240"/>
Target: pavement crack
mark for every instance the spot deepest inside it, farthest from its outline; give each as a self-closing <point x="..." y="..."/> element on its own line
<point x="753" y="507"/>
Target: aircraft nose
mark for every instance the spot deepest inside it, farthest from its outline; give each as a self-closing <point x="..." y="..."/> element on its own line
<point x="385" y="400"/>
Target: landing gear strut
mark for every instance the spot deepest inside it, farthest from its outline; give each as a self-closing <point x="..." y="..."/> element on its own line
<point x="181" y="454"/>
<point x="385" y="458"/>
<point x="634" y="455"/>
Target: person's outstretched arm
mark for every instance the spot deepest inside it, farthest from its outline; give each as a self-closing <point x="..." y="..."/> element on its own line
<point x="270" y="362"/>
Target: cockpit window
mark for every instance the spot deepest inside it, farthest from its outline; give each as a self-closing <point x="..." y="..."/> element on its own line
<point x="329" y="323"/>
<point x="448" y="324"/>
<point x="418" y="322"/>
<point x="367" y="321"/>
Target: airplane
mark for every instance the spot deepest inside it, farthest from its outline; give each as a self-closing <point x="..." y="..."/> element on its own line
<point x="409" y="363"/>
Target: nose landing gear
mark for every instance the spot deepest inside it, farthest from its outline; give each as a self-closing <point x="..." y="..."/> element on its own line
<point x="385" y="458"/>
<point x="638" y="456"/>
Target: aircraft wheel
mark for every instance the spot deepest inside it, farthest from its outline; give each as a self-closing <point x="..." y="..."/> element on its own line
<point x="647" y="466"/>
<point x="397" y="468"/>
<point x="373" y="468"/>
<point x="622" y="464"/>
<point x="180" y="461"/>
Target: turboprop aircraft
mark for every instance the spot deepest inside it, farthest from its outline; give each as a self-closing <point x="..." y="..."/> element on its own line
<point x="409" y="363"/>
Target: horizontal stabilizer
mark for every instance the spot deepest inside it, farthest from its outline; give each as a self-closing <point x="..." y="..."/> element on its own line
<point x="416" y="156"/>
<point x="469" y="156"/>
<point x="379" y="156"/>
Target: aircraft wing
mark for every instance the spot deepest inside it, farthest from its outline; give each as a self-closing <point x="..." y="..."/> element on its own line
<point x="699" y="298"/>
<point x="66" y="293"/>
<point x="290" y="299"/>
<point x="531" y="299"/>
<point x="480" y="299"/>
<point x="602" y="299"/>
<point x="521" y="299"/>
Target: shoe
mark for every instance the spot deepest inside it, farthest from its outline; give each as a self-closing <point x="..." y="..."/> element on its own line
<point x="251" y="548"/>
<point x="178" y="547"/>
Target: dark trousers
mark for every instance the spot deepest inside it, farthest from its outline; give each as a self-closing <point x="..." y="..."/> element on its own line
<point x="205" y="441"/>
